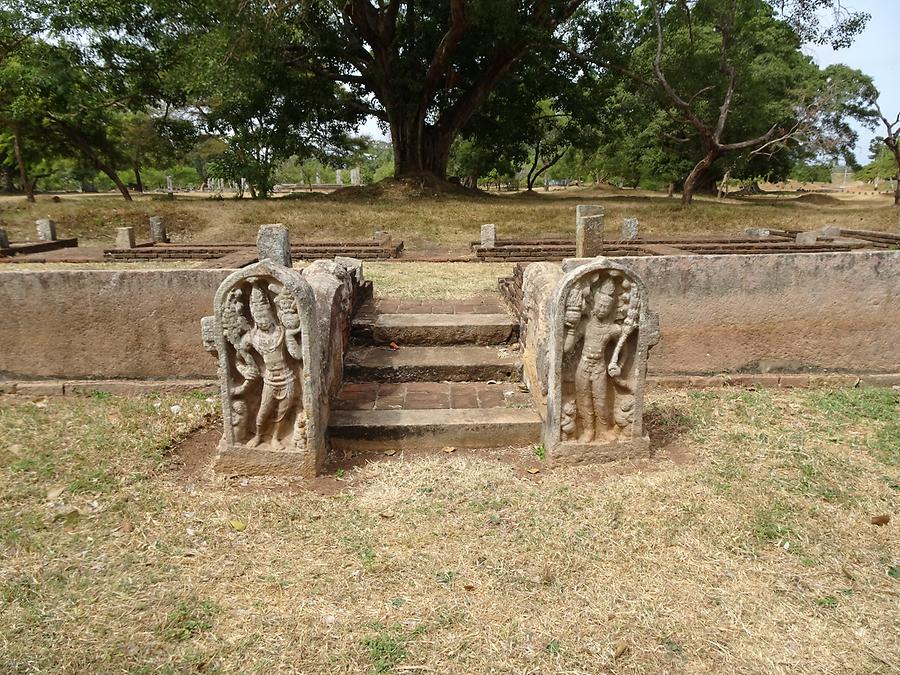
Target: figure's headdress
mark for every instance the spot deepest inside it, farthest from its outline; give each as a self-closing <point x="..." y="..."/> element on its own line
<point x="259" y="303"/>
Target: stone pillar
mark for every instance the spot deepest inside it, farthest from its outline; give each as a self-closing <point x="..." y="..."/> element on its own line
<point x="630" y="228"/>
<point x="757" y="232"/>
<point x="338" y="177"/>
<point x="807" y="238"/>
<point x="318" y="177"/>
<point x="354" y="177"/>
<point x="158" y="230"/>
<point x="125" y="237"/>
<point x="588" y="231"/>
<point x="274" y="243"/>
<point x="170" y="186"/>
<point x="4" y="239"/>
<point x="488" y="235"/>
<point x="46" y="229"/>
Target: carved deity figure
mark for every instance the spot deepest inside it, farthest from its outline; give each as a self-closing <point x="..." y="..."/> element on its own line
<point x="600" y="315"/>
<point x="268" y="348"/>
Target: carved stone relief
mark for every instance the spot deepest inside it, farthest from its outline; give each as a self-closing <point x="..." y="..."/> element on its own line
<point x="264" y="334"/>
<point x="602" y="331"/>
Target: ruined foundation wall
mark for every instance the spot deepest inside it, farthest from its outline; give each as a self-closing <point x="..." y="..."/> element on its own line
<point x="835" y="312"/>
<point x="135" y="324"/>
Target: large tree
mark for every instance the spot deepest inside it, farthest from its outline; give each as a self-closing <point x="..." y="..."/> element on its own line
<point x="728" y="86"/>
<point x="423" y="67"/>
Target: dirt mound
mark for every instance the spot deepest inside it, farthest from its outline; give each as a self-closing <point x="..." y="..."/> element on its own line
<point x="818" y="199"/>
<point x="400" y="189"/>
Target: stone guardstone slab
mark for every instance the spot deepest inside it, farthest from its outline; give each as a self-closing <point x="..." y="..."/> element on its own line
<point x="266" y="337"/>
<point x="588" y="230"/>
<point x="46" y="229"/>
<point x="273" y="243"/>
<point x="125" y="237"/>
<point x="630" y="228"/>
<point x="488" y="235"/>
<point x="601" y="329"/>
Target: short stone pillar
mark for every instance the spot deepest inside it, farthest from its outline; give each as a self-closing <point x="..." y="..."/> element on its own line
<point x="757" y="232"/>
<point x="46" y="229"/>
<point x="355" y="178"/>
<point x="125" y="237"/>
<point x="488" y="235"/>
<point x="588" y="231"/>
<point x="600" y="333"/>
<point x="170" y="185"/>
<point x="318" y="177"/>
<point x="4" y="239"/>
<point x="266" y="338"/>
<point x="274" y="243"/>
<point x="158" y="230"/>
<point x="339" y="177"/>
<point x="807" y="238"/>
<point x="630" y="228"/>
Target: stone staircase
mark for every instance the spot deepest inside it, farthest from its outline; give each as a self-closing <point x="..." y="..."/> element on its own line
<point x="451" y="378"/>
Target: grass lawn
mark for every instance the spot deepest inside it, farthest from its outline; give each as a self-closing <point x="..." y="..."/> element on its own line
<point x="428" y="221"/>
<point x="756" y="553"/>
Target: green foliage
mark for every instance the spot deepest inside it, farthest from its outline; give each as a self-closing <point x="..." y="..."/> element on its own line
<point x="811" y="173"/>
<point x="189" y="618"/>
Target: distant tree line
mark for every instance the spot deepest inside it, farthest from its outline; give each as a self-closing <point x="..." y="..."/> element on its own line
<point x="679" y="93"/>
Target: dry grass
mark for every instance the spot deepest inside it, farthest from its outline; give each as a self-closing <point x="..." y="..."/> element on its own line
<point x="758" y="557"/>
<point x="437" y="281"/>
<point x="441" y="219"/>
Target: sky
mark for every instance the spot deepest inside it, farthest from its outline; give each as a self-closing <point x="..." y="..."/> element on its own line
<point x="876" y="52"/>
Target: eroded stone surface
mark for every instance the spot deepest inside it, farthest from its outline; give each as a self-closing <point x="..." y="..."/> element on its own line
<point x="266" y="337"/>
<point x="588" y="336"/>
<point x="273" y="243"/>
<point x="46" y="229"/>
<point x="588" y="230"/>
<point x="125" y="237"/>
<point x="488" y="235"/>
<point x="158" y="230"/>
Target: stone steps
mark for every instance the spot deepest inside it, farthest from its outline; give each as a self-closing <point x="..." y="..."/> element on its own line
<point x="453" y="381"/>
<point x="443" y="329"/>
<point x="368" y="430"/>
<point x="433" y="363"/>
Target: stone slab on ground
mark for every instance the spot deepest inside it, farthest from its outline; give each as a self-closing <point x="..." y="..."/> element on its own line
<point x="430" y="364"/>
<point x="430" y="395"/>
<point x="444" y="329"/>
<point x="356" y="430"/>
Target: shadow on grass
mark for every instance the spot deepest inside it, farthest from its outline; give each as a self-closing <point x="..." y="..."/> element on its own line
<point x="666" y="424"/>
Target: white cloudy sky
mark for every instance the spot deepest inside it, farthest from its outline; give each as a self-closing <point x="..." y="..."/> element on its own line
<point x="876" y="52"/>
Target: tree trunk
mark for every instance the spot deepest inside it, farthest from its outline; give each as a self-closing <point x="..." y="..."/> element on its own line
<point x="27" y="185"/>
<point x="690" y="183"/>
<point x="81" y="143"/>
<point x="420" y="149"/>
<point x="138" y="183"/>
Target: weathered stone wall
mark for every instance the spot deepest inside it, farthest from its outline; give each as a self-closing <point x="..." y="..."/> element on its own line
<point x="132" y="324"/>
<point x="834" y="312"/>
<point x="137" y="324"/>
<point x="791" y="312"/>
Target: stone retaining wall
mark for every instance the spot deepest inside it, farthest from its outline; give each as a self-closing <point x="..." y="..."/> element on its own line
<point x="797" y="313"/>
<point x="130" y="324"/>
<point x="836" y="312"/>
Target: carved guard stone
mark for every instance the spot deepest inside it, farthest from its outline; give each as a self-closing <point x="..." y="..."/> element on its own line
<point x="601" y="330"/>
<point x="266" y="337"/>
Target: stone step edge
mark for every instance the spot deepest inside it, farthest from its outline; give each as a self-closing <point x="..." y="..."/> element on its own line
<point x="362" y="430"/>
<point x="57" y="387"/>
